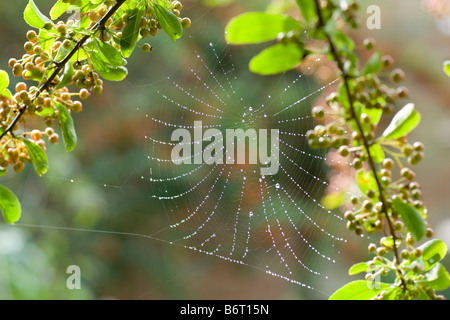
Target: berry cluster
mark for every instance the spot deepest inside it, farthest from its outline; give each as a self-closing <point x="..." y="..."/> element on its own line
<point x="63" y="75"/>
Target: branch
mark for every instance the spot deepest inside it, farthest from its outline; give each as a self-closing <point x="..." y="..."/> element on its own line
<point x="61" y="64"/>
<point x="345" y="78"/>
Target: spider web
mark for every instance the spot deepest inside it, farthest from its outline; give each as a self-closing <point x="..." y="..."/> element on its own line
<point x="275" y="223"/>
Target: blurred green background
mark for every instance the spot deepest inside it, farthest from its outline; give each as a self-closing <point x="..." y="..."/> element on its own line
<point x="34" y="255"/>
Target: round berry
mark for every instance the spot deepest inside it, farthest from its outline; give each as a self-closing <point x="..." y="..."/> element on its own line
<point x="54" y="138"/>
<point x="387" y="61"/>
<point x="67" y="44"/>
<point x="93" y="16"/>
<point x="77" y="106"/>
<point x="404" y="254"/>
<point x="21" y="86"/>
<point x="369" y="43"/>
<point x="31" y="35"/>
<point x="177" y="5"/>
<point x="48" y="26"/>
<point x="186" y="23"/>
<point x="18" y="167"/>
<point x="36" y="135"/>
<point x="318" y="112"/>
<point x="146" y="47"/>
<point x="28" y="46"/>
<point x="388" y="163"/>
<point x="398" y="75"/>
<point x="98" y="89"/>
<point x="84" y="94"/>
<point x="49" y="131"/>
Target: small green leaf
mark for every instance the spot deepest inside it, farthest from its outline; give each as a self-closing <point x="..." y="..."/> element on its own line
<point x="6" y="93"/>
<point x="389" y="242"/>
<point x="412" y="218"/>
<point x="34" y="17"/>
<point x="38" y="157"/>
<point x="308" y="10"/>
<point x="373" y="65"/>
<point x="46" y="40"/>
<point x="67" y="76"/>
<point x="403" y="122"/>
<point x="333" y="200"/>
<point x="10" y="205"/>
<point x="4" y="80"/>
<point x="377" y="153"/>
<point x="277" y="58"/>
<point x="169" y="22"/>
<point x="437" y="278"/>
<point x="342" y="96"/>
<point x="392" y="293"/>
<point x="58" y="9"/>
<point x="359" y="290"/>
<point x="130" y="33"/>
<point x="366" y="181"/>
<point x="107" y="71"/>
<point x="358" y="268"/>
<point x="447" y="67"/>
<point x="256" y="27"/>
<point x="110" y="54"/>
<point x="433" y="252"/>
<point x="4" y="83"/>
<point x="67" y="127"/>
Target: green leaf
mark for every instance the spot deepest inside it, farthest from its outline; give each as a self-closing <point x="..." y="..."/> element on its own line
<point x="358" y="290"/>
<point x="366" y="181"/>
<point x="377" y="153"/>
<point x="10" y="205"/>
<point x="59" y="9"/>
<point x="343" y="97"/>
<point x="277" y="58"/>
<point x="110" y="54"/>
<point x="67" y="127"/>
<point x="4" y="83"/>
<point x="308" y="10"/>
<point x="6" y="93"/>
<point x="433" y="252"/>
<point x="130" y="33"/>
<point x="389" y="242"/>
<point x="34" y="17"/>
<point x="392" y="293"/>
<point x="333" y="200"/>
<point x="107" y="71"/>
<point x="4" y="80"/>
<point x="447" y="67"/>
<point x="403" y="122"/>
<point x="38" y="157"/>
<point x="256" y="27"/>
<point x="46" y="40"/>
<point x="373" y="65"/>
<point x="67" y="76"/>
<point x="437" y="278"/>
<point x="358" y="268"/>
<point x="169" y="22"/>
<point x="412" y="218"/>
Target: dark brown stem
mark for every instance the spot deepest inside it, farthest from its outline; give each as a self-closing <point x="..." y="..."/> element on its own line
<point x="345" y="78"/>
<point x="59" y="65"/>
